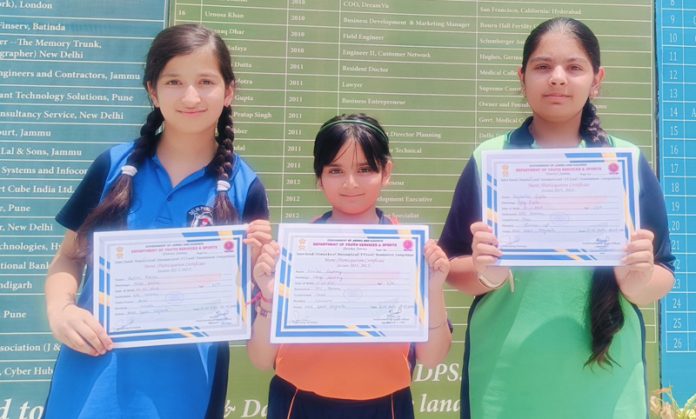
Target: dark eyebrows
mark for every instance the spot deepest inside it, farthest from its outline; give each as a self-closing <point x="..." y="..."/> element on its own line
<point x="544" y="59"/>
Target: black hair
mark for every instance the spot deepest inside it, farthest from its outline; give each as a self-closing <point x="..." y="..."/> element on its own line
<point x="364" y="130"/>
<point x="604" y="305"/>
<point x="172" y="42"/>
<point x="590" y="127"/>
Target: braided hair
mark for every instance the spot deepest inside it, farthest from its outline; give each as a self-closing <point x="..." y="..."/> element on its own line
<point x="604" y="304"/>
<point x="112" y="212"/>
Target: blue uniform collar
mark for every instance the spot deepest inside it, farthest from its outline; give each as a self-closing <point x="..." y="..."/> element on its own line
<point x="522" y="138"/>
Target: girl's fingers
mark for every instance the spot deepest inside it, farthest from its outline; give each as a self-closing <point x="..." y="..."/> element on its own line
<point x="263" y="225"/>
<point x="103" y="338"/>
<point x="257" y="240"/>
<point x="484" y="249"/>
<point x="480" y="226"/>
<point x="81" y="331"/>
<point x="436" y="258"/>
<point x="441" y="265"/>
<point x="90" y="338"/>
<point x="267" y="268"/>
<point x="258" y="233"/>
<point x="485" y="237"/>
<point x="485" y="260"/>
<point x="639" y="245"/>
<point x="642" y="234"/>
<point x="639" y="258"/>
<point x="77" y="342"/>
<point x="272" y="248"/>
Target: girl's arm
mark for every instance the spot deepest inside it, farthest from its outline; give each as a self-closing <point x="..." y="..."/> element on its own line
<point x="465" y="271"/>
<point x="70" y="324"/>
<point x="640" y="280"/>
<point x="261" y="352"/>
<point x="435" y="350"/>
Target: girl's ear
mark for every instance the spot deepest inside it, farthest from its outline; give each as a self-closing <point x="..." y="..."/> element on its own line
<point x="520" y="75"/>
<point x="597" y="83"/>
<point x="229" y="95"/>
<point x="386" y="172"/>
<point x="152" y="92"/>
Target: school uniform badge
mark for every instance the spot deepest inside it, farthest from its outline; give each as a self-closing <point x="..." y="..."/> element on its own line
<point x="200" y="216"/>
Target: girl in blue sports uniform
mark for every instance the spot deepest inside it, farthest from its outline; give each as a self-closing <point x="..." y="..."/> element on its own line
<point x="568" y="342"/>
<point x="180" y="172"/>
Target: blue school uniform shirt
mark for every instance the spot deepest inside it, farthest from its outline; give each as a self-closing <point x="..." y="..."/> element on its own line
<point x="174" y="381"/>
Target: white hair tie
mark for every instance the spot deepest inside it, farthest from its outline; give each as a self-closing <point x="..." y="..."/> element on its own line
<point x="223" y="186"/>
<point x="129" y="170"/>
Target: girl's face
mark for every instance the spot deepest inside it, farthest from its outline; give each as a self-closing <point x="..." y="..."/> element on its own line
<point x="191" y="93"/>
<point x="351" y="186"/>
<point x="559" y="78"/>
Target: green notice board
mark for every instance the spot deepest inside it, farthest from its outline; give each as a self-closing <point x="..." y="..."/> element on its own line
<point x="440" y="75"/>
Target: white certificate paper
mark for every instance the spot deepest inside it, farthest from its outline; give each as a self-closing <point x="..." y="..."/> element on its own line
<point x="561" y="207"/>
<point x="351" y="283"/>
<point x="171" y="286"/>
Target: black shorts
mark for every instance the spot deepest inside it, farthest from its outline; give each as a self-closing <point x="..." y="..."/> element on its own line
<point x="285" y="401"/>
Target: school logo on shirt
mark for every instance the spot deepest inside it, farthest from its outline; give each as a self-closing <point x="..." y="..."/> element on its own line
<point x="200" y="216"/>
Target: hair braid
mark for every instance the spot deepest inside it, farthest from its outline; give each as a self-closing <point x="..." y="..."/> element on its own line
<point x="604" y="309"/>
<point x="591" y="128"/>
<point x="606" y="315"/>
<point x="112" y="212"/>
<point x="223" y="209"/>
<point x="604" y="305"/>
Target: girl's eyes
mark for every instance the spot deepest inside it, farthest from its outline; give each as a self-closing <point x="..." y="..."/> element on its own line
<point x="545" y="68"/>
<point x="175" y="82"/>
<point x="361" y="170"/>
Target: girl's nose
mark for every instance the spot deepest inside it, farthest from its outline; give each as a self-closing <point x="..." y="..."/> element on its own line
<point x="191" y="96"/>
<point x="558" y="76"/>
<point x="350" y="181"/>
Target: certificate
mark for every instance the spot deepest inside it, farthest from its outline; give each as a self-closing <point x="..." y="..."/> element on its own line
<point x="171" y="286"/>
<point x="350" y="283"/>
<point x="561" y="207"/>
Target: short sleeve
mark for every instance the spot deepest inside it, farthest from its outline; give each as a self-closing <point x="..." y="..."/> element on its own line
<point x="87" y="195"/>
<point x="256" y="205"/>
<point x="465" y="210"/>
<point x="653" y="215"/>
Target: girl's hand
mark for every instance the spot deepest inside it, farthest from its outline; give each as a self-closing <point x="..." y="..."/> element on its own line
<point x="438" y="262"/>
<point x="485" y="253"/>
<point x="79" y="330"/>
<point x="264" y="269"/>
<point x="639" y="263"/>
<point x="258" y="234"/>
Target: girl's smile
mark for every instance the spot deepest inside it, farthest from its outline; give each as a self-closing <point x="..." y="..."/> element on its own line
<point x="351" y="186"/>
<point x="191" y="93"/>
